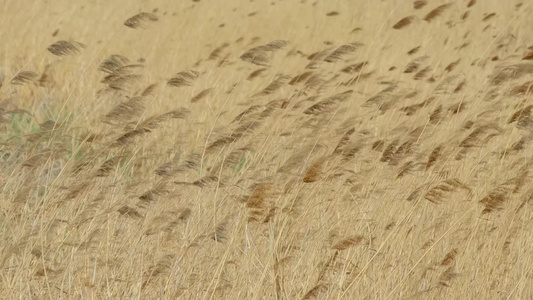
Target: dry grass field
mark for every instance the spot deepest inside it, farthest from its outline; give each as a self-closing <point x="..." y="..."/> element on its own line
<point x="277" y="149"/>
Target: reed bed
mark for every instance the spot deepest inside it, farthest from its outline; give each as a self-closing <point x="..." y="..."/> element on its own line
<point x="266" y="150"/>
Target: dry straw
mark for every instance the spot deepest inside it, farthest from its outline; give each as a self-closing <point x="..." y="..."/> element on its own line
<point x="332" y="171"/>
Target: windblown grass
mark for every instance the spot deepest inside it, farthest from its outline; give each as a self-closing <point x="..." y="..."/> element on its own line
<point x="266" y="150"/>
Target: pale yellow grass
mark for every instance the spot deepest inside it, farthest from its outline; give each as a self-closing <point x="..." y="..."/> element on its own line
<point x="266" y="150"/>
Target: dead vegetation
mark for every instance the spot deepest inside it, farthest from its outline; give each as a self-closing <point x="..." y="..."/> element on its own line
<point x="335" y="156"/>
